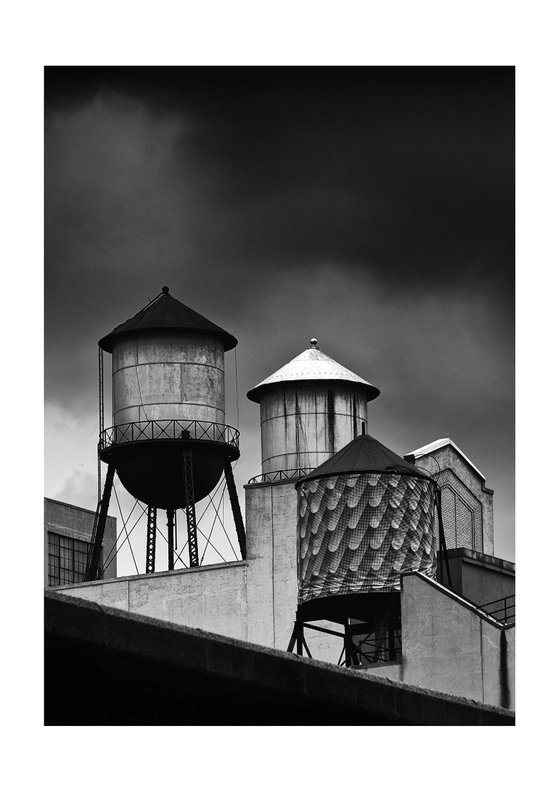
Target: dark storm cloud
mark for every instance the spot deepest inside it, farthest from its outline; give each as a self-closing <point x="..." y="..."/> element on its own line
<point x="407" y="173"/>
<point x="228" y="174"/>
<point x="371" y="207"/>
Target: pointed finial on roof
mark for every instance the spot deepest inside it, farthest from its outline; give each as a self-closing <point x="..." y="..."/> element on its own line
<point x="165" y="289"/>
<point x="313" y="343"/>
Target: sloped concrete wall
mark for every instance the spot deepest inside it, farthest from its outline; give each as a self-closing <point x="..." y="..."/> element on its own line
<point x="449" y="647"/>
<point x="142" y="671"/>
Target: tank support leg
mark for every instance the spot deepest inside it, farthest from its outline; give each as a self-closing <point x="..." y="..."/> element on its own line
<point x="292" y="639"/>
<point x="351" y="656"/>
<point x="191" y="512"/>
<point x="295" y="639"/>
<point x="94" y="555"/>
<point x="151" y="540"/>
<point x="237" y="517"/>
<point x="170" y="537"/>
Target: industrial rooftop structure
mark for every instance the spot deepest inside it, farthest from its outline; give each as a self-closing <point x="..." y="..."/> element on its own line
<point x="351" y="554"/>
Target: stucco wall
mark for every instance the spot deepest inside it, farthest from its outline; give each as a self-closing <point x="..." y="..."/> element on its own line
<point x="260" y="587"/>
<point x="480" y="578"/>
<point x="482" y="585"/>
<point x="213" y="598"/>
<point x="271" y="510"/>
<point x="271" y="555"/>
<point x="448" y="646"/>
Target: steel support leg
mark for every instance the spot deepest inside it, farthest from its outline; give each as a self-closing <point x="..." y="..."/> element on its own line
<point x="191" y="512"/>
<point x="171" y="538"/>
<point x="237" y="517"/>
<point x="94" y="554"/>
<point x="350" y="654"/>
<point x="151" y="540"/>
<point x="292" y="639"/>
<point x="295" y="632"/>
<point x="299" y="641"/>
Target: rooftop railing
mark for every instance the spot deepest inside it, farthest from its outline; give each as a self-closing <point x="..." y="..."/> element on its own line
<point x="502" y="610"/>
<point x="280" y="475"/>
<point x="172" y="429"/>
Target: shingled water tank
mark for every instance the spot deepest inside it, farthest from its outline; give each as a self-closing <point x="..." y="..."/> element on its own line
<point x="365" y="516"/>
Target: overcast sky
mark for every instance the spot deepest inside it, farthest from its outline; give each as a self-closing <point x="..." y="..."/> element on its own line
<point x="371" y="208"/>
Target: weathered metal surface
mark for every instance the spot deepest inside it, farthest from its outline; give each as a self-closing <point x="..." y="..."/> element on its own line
<point x="312" y="365"/>
<point x="303" y="425"/>
<point x="310" y="408"/>
<point x="167" y="313"/>
<point x="165" y="375"/>
<point x="168" y="392"/>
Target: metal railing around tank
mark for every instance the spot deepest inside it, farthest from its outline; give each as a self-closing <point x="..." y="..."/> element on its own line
<point x="502" y="610"/>
<point x="172" y="429"/>
<point x="280" y="475"/>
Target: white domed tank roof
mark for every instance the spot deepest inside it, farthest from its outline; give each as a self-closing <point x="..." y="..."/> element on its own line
<point x="310" y="365"/>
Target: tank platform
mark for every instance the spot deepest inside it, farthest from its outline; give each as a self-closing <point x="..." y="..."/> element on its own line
<point x="149" y="457"/>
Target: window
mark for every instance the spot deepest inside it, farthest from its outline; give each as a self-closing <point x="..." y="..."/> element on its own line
<point x="67" y="559"/>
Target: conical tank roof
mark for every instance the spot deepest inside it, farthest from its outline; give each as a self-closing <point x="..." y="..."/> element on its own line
<point x="167" y="313"/>
<point x="364" y="454"/>
<point x="312" y="365"/>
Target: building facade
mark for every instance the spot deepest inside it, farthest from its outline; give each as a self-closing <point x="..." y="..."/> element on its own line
<point x="67" y="540"/>
<point x="466" y="501"/>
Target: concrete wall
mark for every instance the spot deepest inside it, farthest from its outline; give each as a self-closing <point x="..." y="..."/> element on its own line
<point x="481" y="578"/>
<point x="271" y="555"/>
<point x="448" y="646"/>
<point x="213" y="598"/>
<point x="254" y="600"/>
<point x="77" y="523"/>
<point x="271" y="510"/>
<point x="141" y="671"/>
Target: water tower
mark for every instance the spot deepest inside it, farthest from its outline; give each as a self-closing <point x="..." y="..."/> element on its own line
<point x="310" y="408"/>
<point x="365" y="516"/>
<point x="168" y="442"/>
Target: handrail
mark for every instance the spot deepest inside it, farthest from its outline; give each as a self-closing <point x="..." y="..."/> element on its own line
<point x="505" y="612"/>
<point x="172" y="429"/>
<point x="501" y="599"/>
<point x="280" y="475"/>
